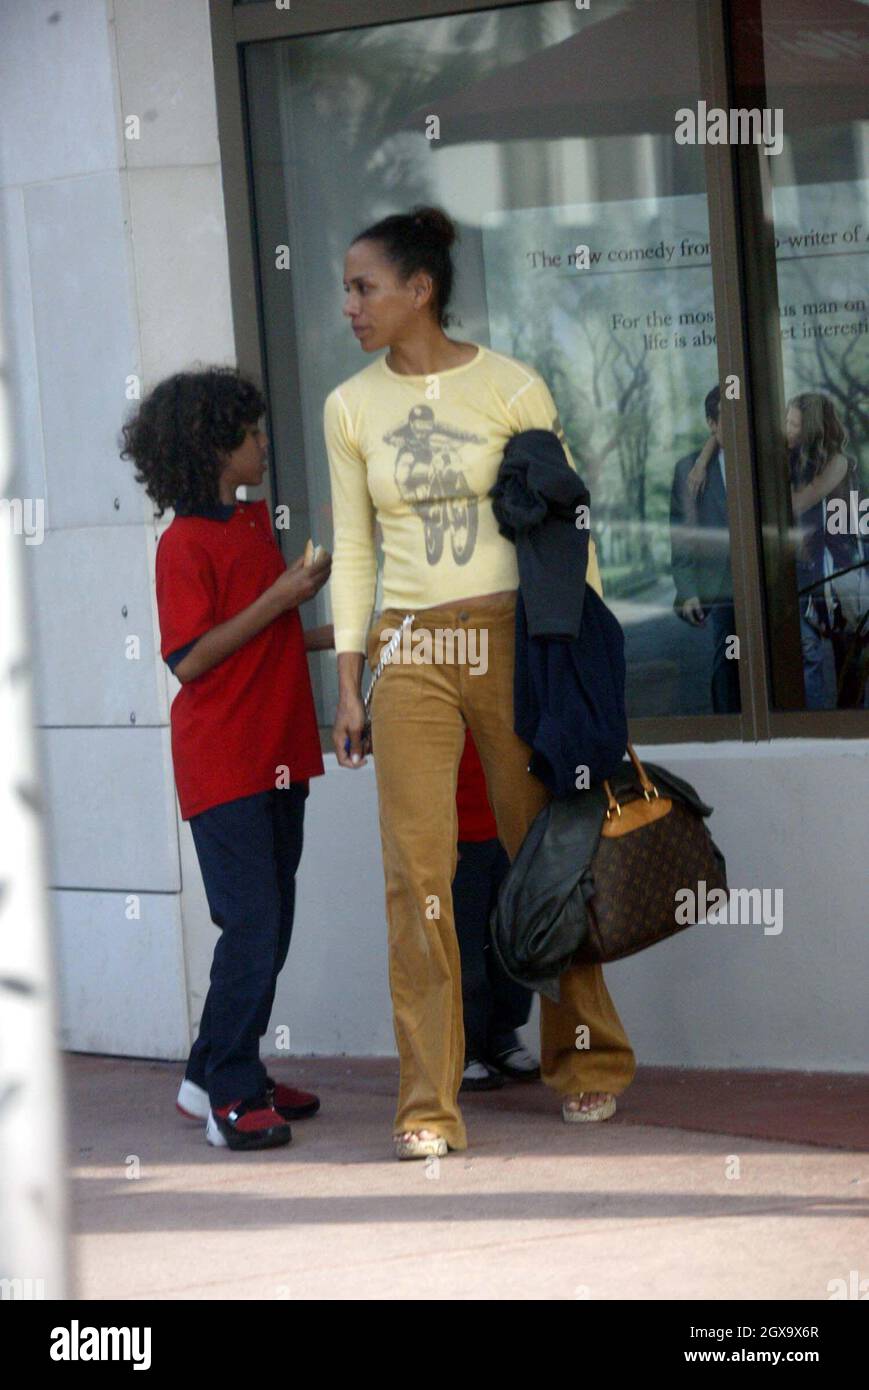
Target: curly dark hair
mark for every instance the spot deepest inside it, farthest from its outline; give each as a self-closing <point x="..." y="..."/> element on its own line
<point x="180" y="431"/>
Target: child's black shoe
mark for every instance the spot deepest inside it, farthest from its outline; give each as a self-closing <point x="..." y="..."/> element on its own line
<point x="247" y="1124"/>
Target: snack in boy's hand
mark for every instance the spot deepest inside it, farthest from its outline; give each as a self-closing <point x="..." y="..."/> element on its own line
<point x="316" y="556"/>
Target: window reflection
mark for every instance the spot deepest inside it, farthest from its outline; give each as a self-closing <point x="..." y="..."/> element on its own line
<point x="554" y="128"/>
<point x="700" y="551"/>
<point x="814" y="61"/>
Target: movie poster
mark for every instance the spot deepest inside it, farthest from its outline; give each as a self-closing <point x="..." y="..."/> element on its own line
<point x="628" y="344"/>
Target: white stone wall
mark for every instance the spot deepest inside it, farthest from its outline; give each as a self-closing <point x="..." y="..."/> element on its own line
<point x="116" y="253"/>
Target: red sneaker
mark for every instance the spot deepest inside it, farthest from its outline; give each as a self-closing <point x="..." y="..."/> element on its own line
<point x="247" y="1124"/>
<point x="290" y="1103"/>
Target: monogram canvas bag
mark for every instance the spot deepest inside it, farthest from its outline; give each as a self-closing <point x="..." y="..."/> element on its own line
<point x="651" y="847"/>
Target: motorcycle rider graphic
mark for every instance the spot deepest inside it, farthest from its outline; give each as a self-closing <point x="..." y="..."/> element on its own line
<point x="429" y="477"/>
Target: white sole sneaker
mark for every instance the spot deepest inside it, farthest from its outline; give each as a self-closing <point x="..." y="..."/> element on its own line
<point x="213" y="1134"/>
<point x="275" y="1137"/>
<point x="192" y="1101"/>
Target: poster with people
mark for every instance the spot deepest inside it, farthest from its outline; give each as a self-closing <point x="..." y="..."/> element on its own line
<point x="613" y="303"/>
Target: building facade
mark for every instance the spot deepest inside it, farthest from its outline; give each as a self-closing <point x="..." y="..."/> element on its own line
<point x="179" y="182"/>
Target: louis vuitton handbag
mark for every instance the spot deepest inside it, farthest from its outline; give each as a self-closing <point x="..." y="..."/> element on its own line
<point x="652" y="847"/>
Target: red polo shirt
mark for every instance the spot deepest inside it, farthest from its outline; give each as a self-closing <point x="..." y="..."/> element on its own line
<point x="476" y="820"/>
<point x="235" y="728"/>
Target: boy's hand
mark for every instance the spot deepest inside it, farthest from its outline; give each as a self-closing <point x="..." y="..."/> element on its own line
<point x="299" y="584"/>
<point x="696" y="479"/>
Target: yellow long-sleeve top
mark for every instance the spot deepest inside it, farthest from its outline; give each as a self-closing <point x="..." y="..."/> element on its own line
<point x="419" y="454"/>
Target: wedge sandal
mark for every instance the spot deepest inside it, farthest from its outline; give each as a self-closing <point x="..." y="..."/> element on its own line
<point x="414" y="1147"/>
<point x="604" y="1110"/>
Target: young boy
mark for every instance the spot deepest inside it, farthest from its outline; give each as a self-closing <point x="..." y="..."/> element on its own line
<point x="244" y="729"/>
<point x="494" y="1005"/>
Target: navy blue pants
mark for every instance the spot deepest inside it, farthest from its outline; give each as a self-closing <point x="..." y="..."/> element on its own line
<point x="494" y="1005"/>
<point x="249" y="851"/>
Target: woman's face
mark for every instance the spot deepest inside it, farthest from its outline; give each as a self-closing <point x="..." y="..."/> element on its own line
<point x="793" y="426"/>
<point x="381" y="307"/>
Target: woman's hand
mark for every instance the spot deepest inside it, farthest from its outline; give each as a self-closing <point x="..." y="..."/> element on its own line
<point x="692" y="611"/>
<point x="298" y="584"/>
<point x="830" y="476"/>
<point x="696" y="479"/>
<point x="350" y="747"/>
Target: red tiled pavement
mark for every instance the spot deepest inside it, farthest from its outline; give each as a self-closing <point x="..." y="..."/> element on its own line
<point x="807" y="1107"/>
<point x="823" y="1108"/>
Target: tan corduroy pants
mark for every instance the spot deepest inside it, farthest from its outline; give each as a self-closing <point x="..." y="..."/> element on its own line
<point x="418" y="715"/>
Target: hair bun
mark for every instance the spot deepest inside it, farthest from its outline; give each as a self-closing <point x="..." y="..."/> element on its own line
<point x="435" y="222"/>
<point x="419" y="239"/>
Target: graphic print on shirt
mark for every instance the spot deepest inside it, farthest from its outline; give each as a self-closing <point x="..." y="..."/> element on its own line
<point x="429" y="477"/>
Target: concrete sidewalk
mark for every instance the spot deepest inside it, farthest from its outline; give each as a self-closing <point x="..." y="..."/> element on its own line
<point x="664" y="1201"/>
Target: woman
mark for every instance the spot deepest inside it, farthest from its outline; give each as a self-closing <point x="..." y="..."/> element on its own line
<point x="415" y="441"/>
<point x="819" y="469"/>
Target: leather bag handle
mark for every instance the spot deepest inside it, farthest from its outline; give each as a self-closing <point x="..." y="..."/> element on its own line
<point x="647" y="786"/>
